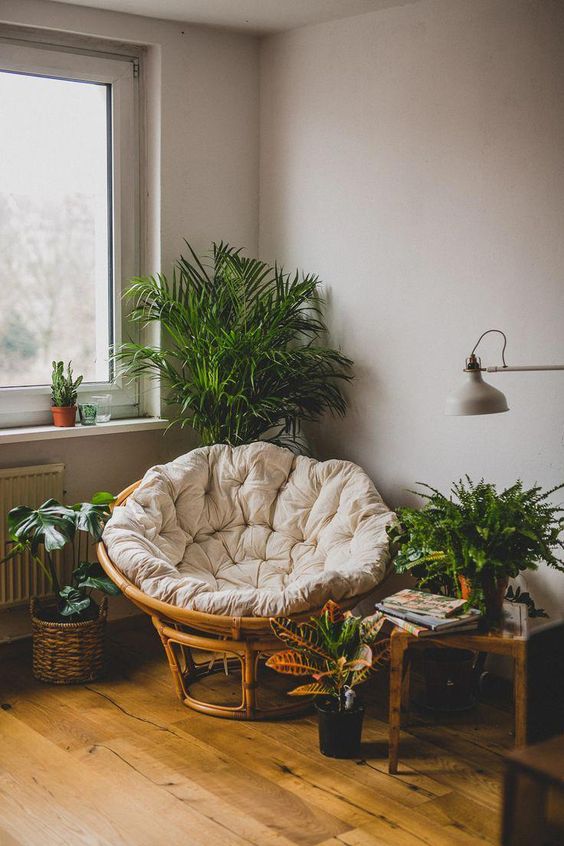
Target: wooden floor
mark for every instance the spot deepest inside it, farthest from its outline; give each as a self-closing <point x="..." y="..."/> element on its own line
<point x="122" y="761"/>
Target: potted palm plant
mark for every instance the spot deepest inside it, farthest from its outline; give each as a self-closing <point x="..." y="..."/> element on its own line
<point x="338" y="651"/>
<point x="63" y="394"/>
<point x="242" y="357"/>
<point x="68" y="629"/>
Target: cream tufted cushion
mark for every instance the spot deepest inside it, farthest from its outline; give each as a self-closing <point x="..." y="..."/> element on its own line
<point x="251" y="531"/>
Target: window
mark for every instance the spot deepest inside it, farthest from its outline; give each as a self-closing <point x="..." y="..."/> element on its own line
<point x="68" y="221"/>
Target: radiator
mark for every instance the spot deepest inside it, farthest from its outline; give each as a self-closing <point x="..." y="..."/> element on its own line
<point x="21" y="578"/>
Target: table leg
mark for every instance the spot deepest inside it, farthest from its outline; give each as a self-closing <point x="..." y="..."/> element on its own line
<point x="520" y="694"/>
<point x="398" y="646"/>
<point x="405" y="685"/>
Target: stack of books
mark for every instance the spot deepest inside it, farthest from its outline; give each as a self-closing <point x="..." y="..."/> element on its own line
<point x="422" y="613"/>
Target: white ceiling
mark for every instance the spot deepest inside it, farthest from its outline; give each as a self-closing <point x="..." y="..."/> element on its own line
<point x="257" y="16"/>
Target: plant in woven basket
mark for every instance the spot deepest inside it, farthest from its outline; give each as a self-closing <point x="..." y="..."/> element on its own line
<point x="53" y="526"/>
<point x="242" y="357"/>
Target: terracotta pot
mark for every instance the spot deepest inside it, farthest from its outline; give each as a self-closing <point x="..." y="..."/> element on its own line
<point x="465" y="587"/>
<point x="494" y="593"/>
<point x="64" y="415"/>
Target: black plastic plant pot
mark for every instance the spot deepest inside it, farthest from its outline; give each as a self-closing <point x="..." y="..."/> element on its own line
<point x="448" y="679"/>
<point x="339" y="731"/>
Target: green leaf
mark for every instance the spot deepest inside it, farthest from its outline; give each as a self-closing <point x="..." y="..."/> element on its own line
<point x="91" y="518"/>
<point x="75" y="601"/>
<point x="89" y="574"/>
<point x="103" y="498"/>
<point x="241" y="358"/>
<point x="478" y="532"/>
<point x="52" y="525"/>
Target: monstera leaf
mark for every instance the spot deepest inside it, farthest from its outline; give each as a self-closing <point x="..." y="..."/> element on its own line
<point x="89" y="574"/>
<point x="103" y="498"/>
<point x="52" y="525"/>
<point x="74" y="602"/>
<point x="90" y="518"/>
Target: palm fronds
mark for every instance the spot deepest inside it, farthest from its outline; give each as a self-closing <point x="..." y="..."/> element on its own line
<point x="242" y="356"/>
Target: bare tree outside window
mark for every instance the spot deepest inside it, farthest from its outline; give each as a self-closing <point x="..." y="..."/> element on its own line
<point x="54" y="236"/>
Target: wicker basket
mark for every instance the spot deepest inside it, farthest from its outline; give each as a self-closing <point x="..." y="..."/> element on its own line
<point x="68" y="653"/>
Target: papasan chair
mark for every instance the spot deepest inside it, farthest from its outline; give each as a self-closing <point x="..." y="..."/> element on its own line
<point x="218" y="541"/>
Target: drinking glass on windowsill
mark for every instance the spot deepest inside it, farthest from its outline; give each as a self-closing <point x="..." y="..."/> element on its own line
<point x="87" y="412"/>
<point x="103" y="403"/>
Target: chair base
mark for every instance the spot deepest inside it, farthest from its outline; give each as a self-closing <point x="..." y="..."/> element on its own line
<point x="248" y="639"/>
<point x="179" y="641"/>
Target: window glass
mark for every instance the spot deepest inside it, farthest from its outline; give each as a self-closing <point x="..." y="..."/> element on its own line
<point x="55" y="228"/>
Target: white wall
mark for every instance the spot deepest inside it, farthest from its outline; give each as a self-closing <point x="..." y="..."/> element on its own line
<point x="414" y="158"/>
<point x="203" y="136"/>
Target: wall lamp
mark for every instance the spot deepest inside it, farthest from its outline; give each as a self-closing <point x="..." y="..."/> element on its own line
<point x="474" y="396"/>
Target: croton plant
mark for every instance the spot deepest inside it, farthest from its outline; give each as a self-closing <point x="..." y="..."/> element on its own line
<point x="337" y="650"/>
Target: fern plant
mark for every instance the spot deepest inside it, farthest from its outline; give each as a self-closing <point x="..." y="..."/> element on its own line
<point x="241" y="356"/>
<point x="337" y="649"/>
<point x="478" y="533"/>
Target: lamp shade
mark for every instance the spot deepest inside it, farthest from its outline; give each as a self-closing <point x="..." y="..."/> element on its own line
<point x="474" y="396"/>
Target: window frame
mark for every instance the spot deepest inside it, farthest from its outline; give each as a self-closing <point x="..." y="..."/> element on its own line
<point x="29" y="406"/>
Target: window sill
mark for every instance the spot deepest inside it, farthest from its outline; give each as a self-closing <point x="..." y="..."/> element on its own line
<point x="48" y="433"/>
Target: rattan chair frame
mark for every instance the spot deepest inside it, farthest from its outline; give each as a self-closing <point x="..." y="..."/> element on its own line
<point x="246" y="639"/>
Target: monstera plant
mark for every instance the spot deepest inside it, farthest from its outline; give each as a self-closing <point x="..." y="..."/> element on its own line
<point x="338" y="651"/>
<point x="67" y="631"/>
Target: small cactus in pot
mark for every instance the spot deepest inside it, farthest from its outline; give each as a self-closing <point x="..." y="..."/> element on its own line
<point x="64" y="389"/>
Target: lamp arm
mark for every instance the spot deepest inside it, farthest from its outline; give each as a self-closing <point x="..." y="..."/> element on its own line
<point x="506" y="369"/>
<point x="473" y="362"/>
<point x="487" y="332"/>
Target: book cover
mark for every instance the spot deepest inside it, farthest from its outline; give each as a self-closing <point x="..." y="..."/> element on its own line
<point x="421" y="602"/>
<point x="412" y="628"/>
<point x="423" y="631"/>
<point x="435" y="623"/>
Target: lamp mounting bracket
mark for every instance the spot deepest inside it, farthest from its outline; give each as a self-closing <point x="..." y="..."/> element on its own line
<point x="473" y="362"/>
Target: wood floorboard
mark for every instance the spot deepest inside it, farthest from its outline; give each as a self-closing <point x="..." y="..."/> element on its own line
<point x="121" y="762"/>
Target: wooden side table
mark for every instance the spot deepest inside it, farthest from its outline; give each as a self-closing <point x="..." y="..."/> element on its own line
<point x="513" y="639"/>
